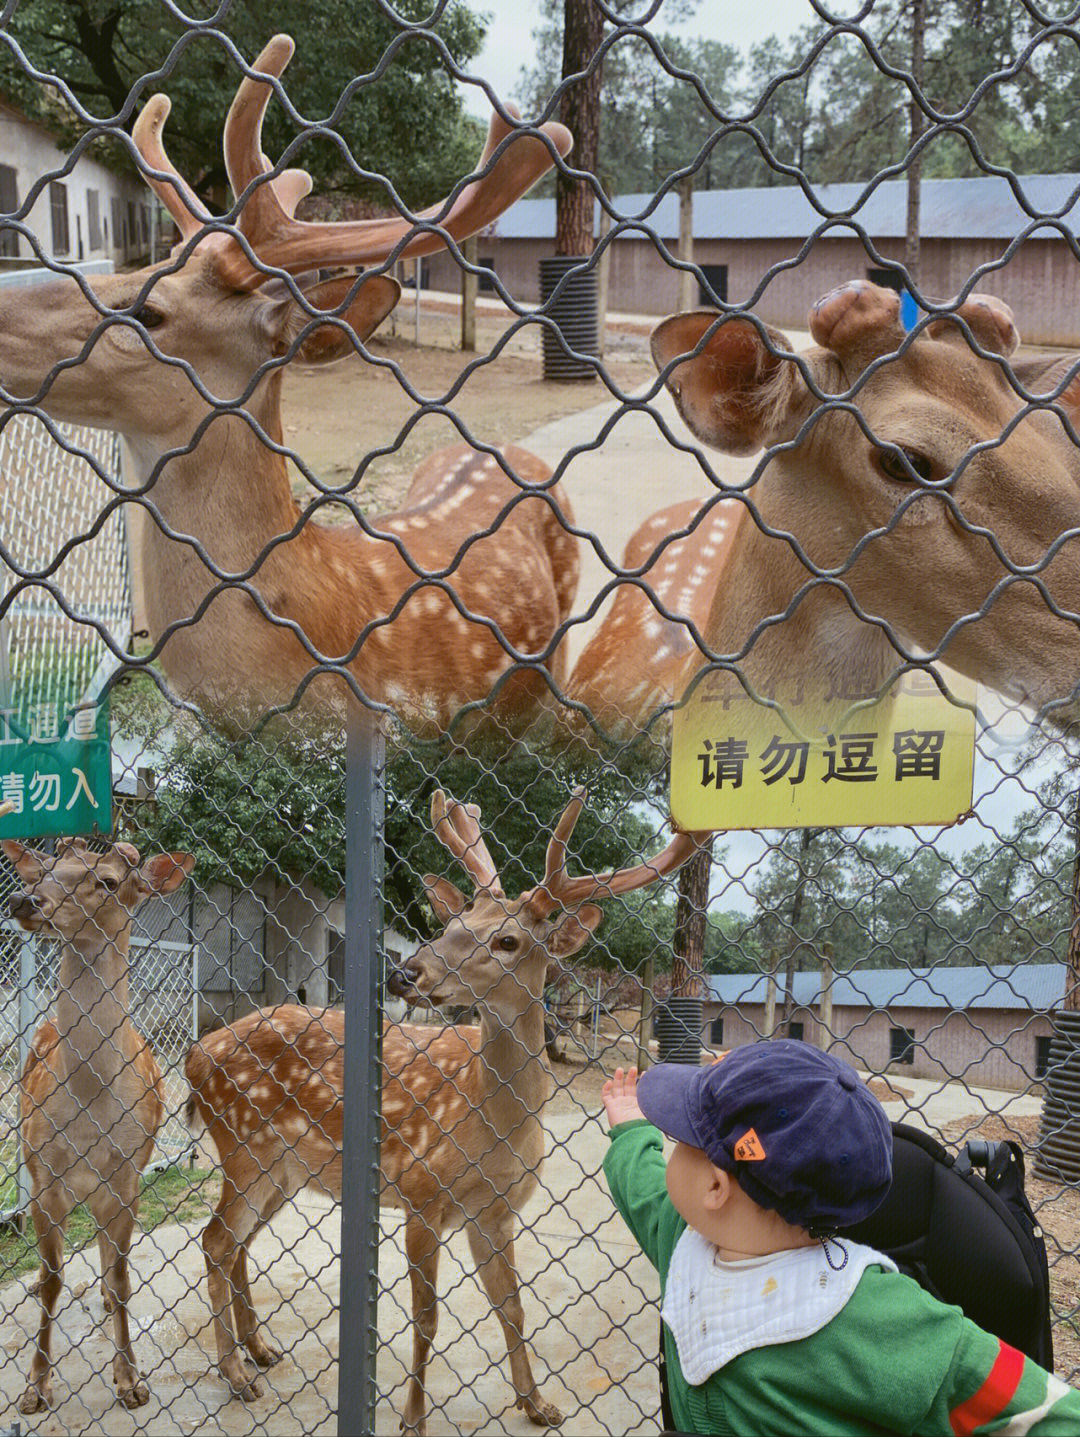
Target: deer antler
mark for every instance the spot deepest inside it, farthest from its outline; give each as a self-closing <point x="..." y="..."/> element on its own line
<point x="267" y="221"/>
<point x="457" y="827"/>
<point x="558" y="890"/>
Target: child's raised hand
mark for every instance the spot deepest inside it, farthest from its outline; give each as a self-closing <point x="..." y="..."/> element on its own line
<point x="620" y="1097"/>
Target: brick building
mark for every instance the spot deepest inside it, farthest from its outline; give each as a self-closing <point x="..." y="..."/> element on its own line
<point x="990" y="1027"/>
<point x="740" y="234"/>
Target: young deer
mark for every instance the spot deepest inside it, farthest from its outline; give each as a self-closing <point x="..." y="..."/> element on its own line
<point x="90" y="1096"/>
<point x="942" y="501"/>
<point x="365" y="596"/>
<point x="462" y="1139"/>
<point x="635" y="663"/>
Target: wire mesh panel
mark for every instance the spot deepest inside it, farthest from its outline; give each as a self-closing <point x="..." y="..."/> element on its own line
<point x="516" y="692"/>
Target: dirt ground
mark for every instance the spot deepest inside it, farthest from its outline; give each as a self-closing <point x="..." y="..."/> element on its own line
<point x="336" y="416"/>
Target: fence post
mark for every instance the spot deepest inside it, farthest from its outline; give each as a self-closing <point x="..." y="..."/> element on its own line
<point x="360" y="1155"/>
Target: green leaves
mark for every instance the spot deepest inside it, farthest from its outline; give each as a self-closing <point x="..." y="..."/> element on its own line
<point x="403" y="119"/>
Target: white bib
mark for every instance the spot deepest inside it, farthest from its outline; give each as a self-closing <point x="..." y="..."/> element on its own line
<point x="716" y="1309"/>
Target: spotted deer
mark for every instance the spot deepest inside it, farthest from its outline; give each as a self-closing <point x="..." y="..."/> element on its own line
<point x="633" y="667"/>
<point x="462" y="1107"/>
<point x="936" y="514"/>
<point x="246" y="594"/>
<point x="91" y="1093"/>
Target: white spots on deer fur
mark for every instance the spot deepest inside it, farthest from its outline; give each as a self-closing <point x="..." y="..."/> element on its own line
<point x="478" y="650"/>
<point x="654" y="628"/>
<point x="432" y="603"/>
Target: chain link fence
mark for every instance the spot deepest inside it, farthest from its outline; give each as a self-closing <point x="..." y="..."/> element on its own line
<point x="391" y="722"/>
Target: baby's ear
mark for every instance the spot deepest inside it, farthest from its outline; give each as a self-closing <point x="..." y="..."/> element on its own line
<point x="733" y="393"/>
<point x="719" y="1189"/>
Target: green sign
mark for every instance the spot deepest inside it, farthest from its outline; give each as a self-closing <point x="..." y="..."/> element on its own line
<point x="55" y="771"/>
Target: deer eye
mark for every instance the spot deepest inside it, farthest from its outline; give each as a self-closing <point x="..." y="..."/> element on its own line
<point x="112" y="884"/>
<point x="507" y="943"/>
<point x="892" y="466"/>
<point x="149" y="317"/>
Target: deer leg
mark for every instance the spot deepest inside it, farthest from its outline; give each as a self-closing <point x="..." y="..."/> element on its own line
<point x="491" y="1241"/>
<point x="49" y="1214"/>
<point x="103" y="1249"/>
<point x="423" y="1237"/>
<point x="115" y="1215"/>
<point x="238" y="1216"/>
<point x="262" y="1352"/>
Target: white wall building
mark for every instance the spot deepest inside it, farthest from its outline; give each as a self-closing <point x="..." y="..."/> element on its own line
<point x="91" y="213"/>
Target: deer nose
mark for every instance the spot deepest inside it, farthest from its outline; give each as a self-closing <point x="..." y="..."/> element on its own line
<point x="401" y="982"/>
<point x="23" y="906"/>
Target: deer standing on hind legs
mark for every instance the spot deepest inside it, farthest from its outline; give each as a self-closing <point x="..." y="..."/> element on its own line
<point x="951" y="511"/>
<point x="245" y="594"/>
<point x="90" y="1095"/>
<point x="462" y="1139"/>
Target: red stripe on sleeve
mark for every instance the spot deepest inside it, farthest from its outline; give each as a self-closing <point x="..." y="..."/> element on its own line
<point x="993" y="1396"/>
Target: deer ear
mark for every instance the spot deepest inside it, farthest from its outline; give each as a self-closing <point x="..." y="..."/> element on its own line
<point x="324" y="343"/>
<point x="165" y="872"/>
<point x="734" y="394"/>
<point x="445" y="898"/>
<point x="27" y="862"/>
<point x="571" y="931"/>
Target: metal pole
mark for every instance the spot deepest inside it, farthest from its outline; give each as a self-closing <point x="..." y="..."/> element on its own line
<point x="360" y="1156"/>
<point x="596" y="1022"/>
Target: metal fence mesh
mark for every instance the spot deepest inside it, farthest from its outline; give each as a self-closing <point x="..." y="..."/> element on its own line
<point x="317" y="665"/>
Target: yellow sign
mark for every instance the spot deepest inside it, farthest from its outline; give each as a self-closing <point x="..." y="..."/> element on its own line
<point x="907" y="759"/>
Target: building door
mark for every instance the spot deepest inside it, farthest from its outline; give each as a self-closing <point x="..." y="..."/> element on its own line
<point x="714" y="289"/>
<point x="887" y="278"/>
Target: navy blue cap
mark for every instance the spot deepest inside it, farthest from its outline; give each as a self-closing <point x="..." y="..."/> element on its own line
<point x="798" y="1129"/>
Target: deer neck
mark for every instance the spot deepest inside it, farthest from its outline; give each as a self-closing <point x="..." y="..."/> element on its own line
<point x="231" y="491"/>
<point x="92" y="1013"/>
<point x="821" y="649"/>
<point x="514" y="1074"/>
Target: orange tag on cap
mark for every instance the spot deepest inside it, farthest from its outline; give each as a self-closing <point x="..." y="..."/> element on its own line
<point x="748" y="1149"/>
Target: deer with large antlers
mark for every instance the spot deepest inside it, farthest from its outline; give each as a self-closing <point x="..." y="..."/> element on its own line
<point x="235" y="304"/>
<point x="463" y="1138"/>
<point x="91" y="1093"/>
<point x="936" y="514"/>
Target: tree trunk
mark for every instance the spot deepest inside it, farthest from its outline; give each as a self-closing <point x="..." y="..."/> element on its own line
<point x="688" y="942"/>
<point x="1072" y="957"/>
<point x="687" y="281"/>
<point x="648" y="1003"/>
<point x="918" y="124"/>
<point x="794" y="951"/>
<point x="579" y="111"/>
<point x="470" y="284"/>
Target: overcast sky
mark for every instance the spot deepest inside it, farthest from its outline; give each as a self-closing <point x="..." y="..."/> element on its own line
<point x="509" y="43"/>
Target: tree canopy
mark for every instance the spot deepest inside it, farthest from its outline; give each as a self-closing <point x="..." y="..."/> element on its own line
<point x="405" y="120"/>
<point x="837" y="116"/>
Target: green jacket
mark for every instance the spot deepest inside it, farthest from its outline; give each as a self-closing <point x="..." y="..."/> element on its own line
<point x="894" y="1359"/>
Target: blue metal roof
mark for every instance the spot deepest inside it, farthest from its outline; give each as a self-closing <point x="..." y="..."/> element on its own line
<point x="981" y="208"/>
<point x="1029" y="986"/>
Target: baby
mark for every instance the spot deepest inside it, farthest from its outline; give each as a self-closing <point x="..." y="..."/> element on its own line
<point x="772" y="1324"/>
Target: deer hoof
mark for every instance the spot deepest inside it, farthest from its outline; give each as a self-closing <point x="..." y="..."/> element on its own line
<point x="34" y="1399"/>
<point x="539" y="1412"/>
<point x="137" y="1395"/>
<point x="263" y="1353"/>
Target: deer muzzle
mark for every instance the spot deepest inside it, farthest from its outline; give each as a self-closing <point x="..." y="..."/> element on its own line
<point x="23" y="907"/>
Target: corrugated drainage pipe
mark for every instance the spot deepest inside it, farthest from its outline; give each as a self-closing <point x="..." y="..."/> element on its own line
<point x="1057" y="1156"/>
<point x="574" y="315"/>
<point x="678" y="1030"/>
